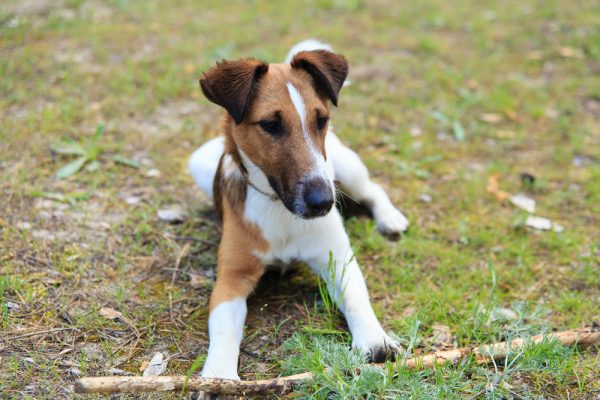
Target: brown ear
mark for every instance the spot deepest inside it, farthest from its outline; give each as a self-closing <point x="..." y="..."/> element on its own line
<point x="328" y="70"/>
<point x="231" y="85"/>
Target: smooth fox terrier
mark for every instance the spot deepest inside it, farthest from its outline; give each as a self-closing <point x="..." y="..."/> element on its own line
<point x="271" y="177"/>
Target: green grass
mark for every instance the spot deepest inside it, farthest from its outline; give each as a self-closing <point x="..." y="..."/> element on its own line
<point x="423" y="77"/>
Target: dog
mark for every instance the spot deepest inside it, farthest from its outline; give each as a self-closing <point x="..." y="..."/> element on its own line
<point x="272" y="176"/>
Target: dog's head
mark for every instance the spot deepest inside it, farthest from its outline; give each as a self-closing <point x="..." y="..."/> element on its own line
<point x="281" y="112"/>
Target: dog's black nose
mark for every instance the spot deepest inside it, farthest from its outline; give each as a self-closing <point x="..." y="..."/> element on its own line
<point x="318" y="198"/>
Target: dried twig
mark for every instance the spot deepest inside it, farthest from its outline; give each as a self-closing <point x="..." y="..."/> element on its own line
<point x="38" y="333"/>
<point x="138" y="384"/>
<point x="283" y="385"/>
<point x="182" y="253"/>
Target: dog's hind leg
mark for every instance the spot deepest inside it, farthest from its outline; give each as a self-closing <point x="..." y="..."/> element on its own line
<point x="204" y="162"/>
<point x="353" y="177"/>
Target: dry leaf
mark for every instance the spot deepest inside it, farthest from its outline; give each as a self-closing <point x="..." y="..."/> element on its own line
<point x="523" y="202"/>
<point x="505" y="134"/>
<point x="535" y="55"/>
<point x="198" y="281"/>
<point x="441" y="334"/>
<point x="512" y="114"/>
<point x="543" y="224"/>
<point x="494" y="188"/>
<point x="109" y="313"/>
<point x="569" y="52"/>
<point x="111" y="273"/>
<point x="173" y="214"/>
<point x="189" y="68"/>
<point x="157" y="366"/>
<point x="408" y="311"/>
<point x="144" y="365"/>
<point x="490" y="118"/>
<point x="153" y="173"/>
<point x="500" y="313"/>
<point x="472" y="84"/>
<point x="492" y="184"/>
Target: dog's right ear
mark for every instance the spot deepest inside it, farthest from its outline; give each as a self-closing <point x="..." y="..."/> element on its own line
<point x="231" y="85"/>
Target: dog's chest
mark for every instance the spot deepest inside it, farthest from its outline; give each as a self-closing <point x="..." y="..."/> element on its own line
<point x="289" y="237"/>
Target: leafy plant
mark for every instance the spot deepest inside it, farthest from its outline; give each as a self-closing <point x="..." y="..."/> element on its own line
<point x="452" y="123"/>
<point x="331" y="296"/>
<point x="70" y="198"/>
<point x="87" y="153"/>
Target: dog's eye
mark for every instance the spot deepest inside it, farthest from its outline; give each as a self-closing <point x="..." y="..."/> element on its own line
<point x="271" y="126"/>
<point x="321" y="122"/>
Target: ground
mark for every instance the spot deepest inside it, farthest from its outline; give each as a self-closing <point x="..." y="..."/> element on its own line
<point x="447" y="99"/>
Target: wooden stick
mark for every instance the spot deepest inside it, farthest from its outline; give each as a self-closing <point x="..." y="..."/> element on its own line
<point x="583" y="337"/>
<point x="284" y="385"/>
<point x="138" y="384"/>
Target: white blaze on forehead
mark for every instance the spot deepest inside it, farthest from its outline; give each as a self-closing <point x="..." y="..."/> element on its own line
<point x="298" y="103"/>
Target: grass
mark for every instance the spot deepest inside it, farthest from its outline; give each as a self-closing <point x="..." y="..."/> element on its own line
<point x="425" y="77"/>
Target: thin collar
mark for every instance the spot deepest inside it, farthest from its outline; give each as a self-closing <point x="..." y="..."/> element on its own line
<point x="244" y="171"/>
<point x="272" y="197"/>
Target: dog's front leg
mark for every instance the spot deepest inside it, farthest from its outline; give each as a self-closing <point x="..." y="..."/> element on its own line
<point x="348" y="289"/>
<point x="238" y="272"/>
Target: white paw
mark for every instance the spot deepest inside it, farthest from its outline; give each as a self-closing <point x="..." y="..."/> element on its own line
<point x="378" y="348"/>
<point x="391" y="221"/>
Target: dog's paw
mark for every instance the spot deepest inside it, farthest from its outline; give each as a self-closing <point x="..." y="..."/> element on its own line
<point x="378" y="350"/>
<point x="206" y="373"/>
<point x="391" y="221"/>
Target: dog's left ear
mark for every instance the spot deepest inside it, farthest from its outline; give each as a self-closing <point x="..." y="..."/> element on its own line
<point x="328" y="70"/>
<point x="231" y="84"/>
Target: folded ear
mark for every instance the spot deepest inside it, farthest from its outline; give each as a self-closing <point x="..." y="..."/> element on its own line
<point x="231" y="85"/>
<point x="328" y="70"/>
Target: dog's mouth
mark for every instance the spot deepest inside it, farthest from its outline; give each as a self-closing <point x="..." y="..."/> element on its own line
<point x="310" y="199"/>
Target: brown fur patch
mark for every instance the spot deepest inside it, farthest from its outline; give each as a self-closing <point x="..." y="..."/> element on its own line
<point x="238" y="269"/>
<point x="231" y="84"/>
<point x="232" y="188"/>
<point x="328" y="70"/>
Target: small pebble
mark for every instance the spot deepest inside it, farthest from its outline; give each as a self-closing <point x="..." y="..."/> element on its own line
<point x="153" y="173"/>
<point x="24" y="226"/>
<point x="174" y="214"/>
<point x="425" y="198"/>
<point x="132" y="200"/>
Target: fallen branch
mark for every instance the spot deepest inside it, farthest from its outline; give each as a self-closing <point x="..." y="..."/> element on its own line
<point x="283" y="385"/>
<point x="139" y="384"/>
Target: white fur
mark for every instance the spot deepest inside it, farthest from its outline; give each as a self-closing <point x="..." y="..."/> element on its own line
<point x="306" y="45"/>
<point x="318" y="159"/>
<point x="226" y="329"/>
<point x="298" y="103"/>
<point x="204" y="162"/>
